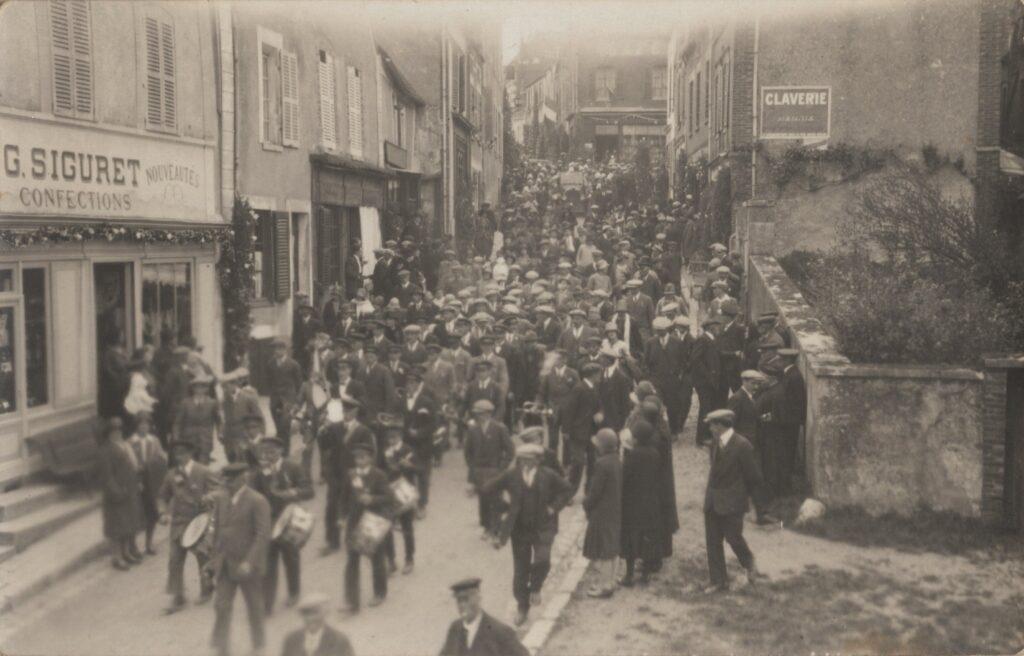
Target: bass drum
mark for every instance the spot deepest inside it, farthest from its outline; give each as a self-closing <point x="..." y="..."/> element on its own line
<point x="198" y="536"/>
<point x="294" y="526"/>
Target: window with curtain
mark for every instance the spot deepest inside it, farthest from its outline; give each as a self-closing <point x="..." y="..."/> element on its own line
<point x="37" y="379"/>
<point x="166" y="301"/>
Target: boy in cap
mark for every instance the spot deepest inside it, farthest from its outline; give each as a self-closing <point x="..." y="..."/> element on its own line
<point x="241" y="400"/>
<point x="734" y="477"/>
<point x="368" y="491"/>
<point x="286" y="379"/>
<point x="316" y="637"/>
<point x="198" y="417"/>
<point x="489" y="449"/>
<point x="399" y="462"/>
<point x="241" y="540"/>
<point x="476" y="632"/>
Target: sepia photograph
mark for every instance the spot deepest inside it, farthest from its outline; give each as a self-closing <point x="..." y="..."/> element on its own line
<point x="511" y="327"/>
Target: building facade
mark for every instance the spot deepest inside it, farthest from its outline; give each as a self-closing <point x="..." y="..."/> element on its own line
<point x="109" y="116"/>
<point x="905" y="81"/>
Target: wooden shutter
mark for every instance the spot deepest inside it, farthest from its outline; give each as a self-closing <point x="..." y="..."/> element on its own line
<point x="282" y="256"/>
<point x="328" y="109"/>
<point x="161" y="91"/>
<point x="289" y="99"/>
<point x="355" y="112"/>
<point x="71" y="41"/>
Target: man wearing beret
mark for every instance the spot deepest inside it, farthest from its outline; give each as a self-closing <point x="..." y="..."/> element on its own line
<point x="733" y="479"/>
<point x="241" y="539"/>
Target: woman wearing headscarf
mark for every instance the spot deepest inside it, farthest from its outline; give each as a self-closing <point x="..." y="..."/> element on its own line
<point x="603" y="506"/>
<point x="641" y="504"/>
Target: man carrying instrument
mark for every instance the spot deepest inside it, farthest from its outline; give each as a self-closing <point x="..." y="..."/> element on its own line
<point x="367" y="491"/>
<point x="282" y="482"/>
<point x="186" y="494"/>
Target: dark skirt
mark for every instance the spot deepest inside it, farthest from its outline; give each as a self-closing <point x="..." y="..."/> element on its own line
<point x="601" y="541"/>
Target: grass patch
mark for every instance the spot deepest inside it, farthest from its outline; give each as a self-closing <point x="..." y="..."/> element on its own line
<point x="927" y="531"/>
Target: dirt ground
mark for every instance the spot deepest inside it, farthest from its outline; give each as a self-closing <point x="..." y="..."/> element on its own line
<point x="871" y="595"/>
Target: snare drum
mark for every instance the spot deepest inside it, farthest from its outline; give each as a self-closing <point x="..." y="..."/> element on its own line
<point x="406" y="495"/>
<point x="294" y="526"/>
<point x="369" y="533"/>
<point x="198" y="536"/>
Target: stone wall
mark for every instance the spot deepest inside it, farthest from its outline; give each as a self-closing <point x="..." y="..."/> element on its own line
<point x="886" y="438"/>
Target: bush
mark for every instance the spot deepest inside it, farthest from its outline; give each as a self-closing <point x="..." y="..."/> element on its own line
<point x="886" y="313"/>
<point x="799" y="266"/>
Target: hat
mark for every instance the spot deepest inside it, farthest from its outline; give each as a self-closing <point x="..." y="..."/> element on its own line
<point x="271" y="441"/>
<point x="723" y="416"/>
<point x="233" y="469"/>
<point x="388" y="420"/>
<point x="720" y="284"/>
<point x="590" y="369"/>
<point x="313" y="600"/>
<point x="714" y="263"/>
<point x="662" y="323"/>
<point x="532" y="275"/>
<point x="670" y="307"/>
<point x="533" y="434"/>
<point x="681" y="320"/>
<point x="730" y="307"/>
<point x="633" y="284"/>
<point x="465" y="585"/>
<point x="481" y="316"/>
<point x="202" y="379"/>
<point x="751" y="374"/>
<point x="576" y="312"/>
<point x="545" y="308"/>
<point x="412" y="328"/>
<point x="718" y="247"/>
<point x="788" y="352"/>
<point x="529" y="450"/>
<point x="601" y="265"/>
<point x="362" y="446"/>
<point x="483" y="405"/>
<point x="669" y="289"/>
<point x="723" y="269"/>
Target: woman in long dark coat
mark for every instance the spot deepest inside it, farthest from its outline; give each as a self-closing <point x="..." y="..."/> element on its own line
<point x="654" y="415"/>
<point x="642" y="522"/>
<point x="118" y="478"/>
<point x="603" y="505"/>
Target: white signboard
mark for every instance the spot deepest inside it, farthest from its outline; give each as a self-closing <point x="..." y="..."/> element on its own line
<point x="51" y="169"/>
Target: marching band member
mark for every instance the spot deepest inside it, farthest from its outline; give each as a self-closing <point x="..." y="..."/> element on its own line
<point x="489" y="450"/>
<point x="400" y="463"/>
<point x="420" y="414"/>
<point x="368" y="491"/>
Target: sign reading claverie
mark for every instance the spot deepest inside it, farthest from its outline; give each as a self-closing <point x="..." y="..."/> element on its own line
<point x="57" y="170"/>
<point x="795" y="112"/>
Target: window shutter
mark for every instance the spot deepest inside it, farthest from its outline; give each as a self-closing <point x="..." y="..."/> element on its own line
<point x="161" y="93"/>
<point x="282" y="256"/>
<point x="355" y="112"/>
<point x="289" y="99"/>
<point x="71" y="41"/>
<point x="328" y="112"/>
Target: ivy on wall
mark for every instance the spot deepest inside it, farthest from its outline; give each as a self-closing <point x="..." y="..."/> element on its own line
<point x="822" y="166"/>
<point x="234" y="270"/>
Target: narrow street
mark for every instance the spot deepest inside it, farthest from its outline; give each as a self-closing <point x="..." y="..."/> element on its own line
<point x="82" y="614"/>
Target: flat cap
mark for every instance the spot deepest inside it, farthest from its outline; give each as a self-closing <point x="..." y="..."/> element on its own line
<point x="722" y="416"/>
<point x="483" y="405"/>
<point x="662" y="323"/>
<point x="465" y="585"/>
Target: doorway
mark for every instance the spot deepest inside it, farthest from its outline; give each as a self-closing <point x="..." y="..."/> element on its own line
<point x="115" y="311"/>
<point x="1013" y="482"/>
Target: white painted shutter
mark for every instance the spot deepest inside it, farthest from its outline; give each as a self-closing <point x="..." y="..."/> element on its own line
<point x="71" y="41"/>
<point x="161" y="92"/>
<point x="289" y="99"/>
<point x="328" y="109"/>
<point x="355" y="112"/>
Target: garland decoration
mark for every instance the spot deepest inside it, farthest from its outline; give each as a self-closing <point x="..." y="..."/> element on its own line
<point x="81" y="232"/>
<point x="234" y="269"/>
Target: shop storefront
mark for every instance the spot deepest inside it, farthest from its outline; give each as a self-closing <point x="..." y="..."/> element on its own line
<point x="348" y="197"/>
<point x="74" y="287"/>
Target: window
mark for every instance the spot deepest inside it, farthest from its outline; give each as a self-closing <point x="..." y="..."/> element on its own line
<point x="6" y="279"/>
<point x="270" y="92"/>
<point x="355" y="112"/>
<point x="697" y="105"/>
<point x="71" y="40"/>
<point x="689" y="108"/>
<point x="328" y="106"/>
<point x="161" y="98"/>
<point x="8" y="389"/>
<point x="604" y="84"/>
<point x="33" y="288"/>
<point x="726" y="92"/>
<point x="659" y="83"/>
<point x="707" y="92"/>
<point x="166" y="301"/>
<point x="462" y="74"/>
<point x="271" y="256"/>
<point x="398" y="133"/>
<point x="289" y="99"/>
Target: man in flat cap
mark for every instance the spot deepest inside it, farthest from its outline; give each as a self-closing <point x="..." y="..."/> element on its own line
<point x="420" y="413"/>
<point x="285" y="376"/>
<point x="667" y="362"/>
<point x="241" y="540"/>
<point x="489" y="450"/>
<point x="476" y="633"/>
<point x="733" y="479"/>
<point x="482" y="386"/>
<point x="582" y="416"/>
<point x="572" y="338"/>
<point x="706" y="368"/>
<point x="240" y="401"/>
<point x="640" y="308"/>
<point x="367" y="491"/>
<point x="316" y="637"/>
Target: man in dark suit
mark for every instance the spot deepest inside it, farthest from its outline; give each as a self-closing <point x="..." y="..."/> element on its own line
<point x="668" y="367"/>
<point x="614" y="390"/>
<point x="555" y="386"/>
<point x="186" y="491"/>
<point x="316" y="637"/>
<point x="792" y="415"/>
<point x="733" y="479"/>
<point x="640" y="308"/>
<point x="345" y="383"/>
<point x="489" y="450"/>
<point x="282" y="482"/>
<point x="286" y="379"/>
<point x="744" y="406"/>
<point x="536" y="496"/>
<point x="706" y="368"/>
<point x="420" y="413"/>
<point x="381" y="394"/>
<point x="305" y="327"/>
<point x="581" y="418"/>
<point x="572" y="338"/>
<point x="240" y="401"/>
<point x="482" y="387"/>
<point x="549" y="329"/>
<point x="368" y="492"/>
<point x="731" y="340"/>
<point x="241" y="529"/>
<point x="476" y="633"/>
<point x="413" y="350"/>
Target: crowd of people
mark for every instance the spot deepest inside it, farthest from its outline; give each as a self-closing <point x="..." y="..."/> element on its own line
<point x="561" y="359"/>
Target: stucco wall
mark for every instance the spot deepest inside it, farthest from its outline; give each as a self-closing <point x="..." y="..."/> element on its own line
<point x="885" y="438"/>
